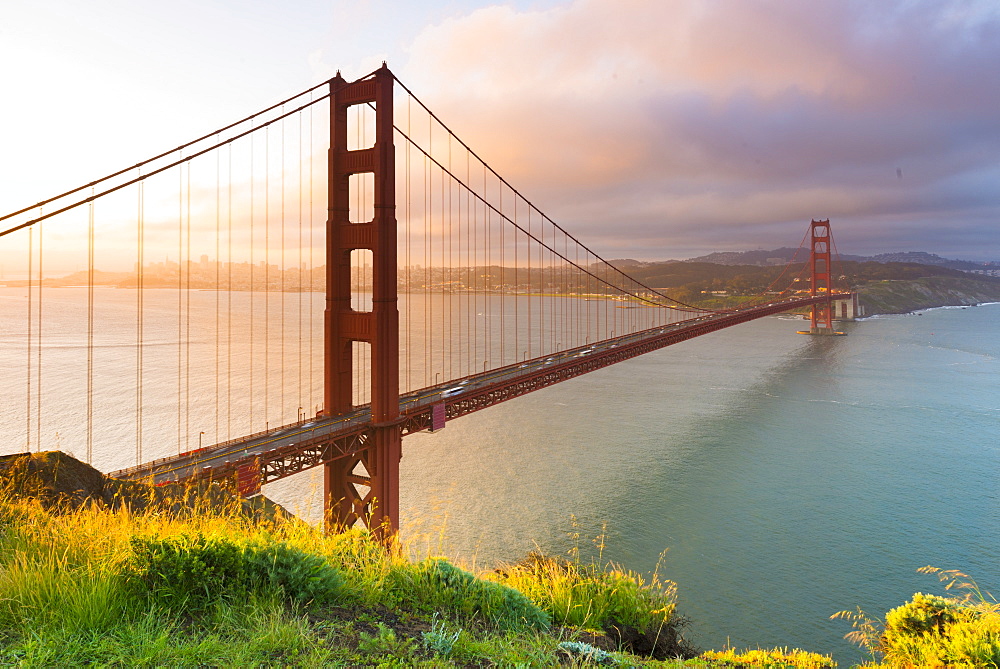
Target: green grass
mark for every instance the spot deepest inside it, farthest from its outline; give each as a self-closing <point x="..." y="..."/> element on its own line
<point x="592" y="596"/>
<point x="116" y="588"/>
<point x="120" y="588"/>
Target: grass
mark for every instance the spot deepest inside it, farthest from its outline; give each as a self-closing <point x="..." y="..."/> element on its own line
<point x="119" y="588"/>
<point x="113" y="587"/>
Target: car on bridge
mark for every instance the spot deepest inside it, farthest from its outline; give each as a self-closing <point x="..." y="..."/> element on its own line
<point x="454" y="390"/>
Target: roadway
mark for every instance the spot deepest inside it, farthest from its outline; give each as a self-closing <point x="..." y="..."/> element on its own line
<point x="225" y="455"/>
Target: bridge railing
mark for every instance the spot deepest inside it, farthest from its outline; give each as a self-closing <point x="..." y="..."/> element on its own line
<point x="152" y="464"/>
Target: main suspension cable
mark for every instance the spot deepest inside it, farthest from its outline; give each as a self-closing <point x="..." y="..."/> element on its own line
<point x="563" y="255"/>
<point x="177" y="149"/>
<point x="527" y="201"/>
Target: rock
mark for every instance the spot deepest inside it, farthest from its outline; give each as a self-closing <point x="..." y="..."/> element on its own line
<point x="61" y="482"/>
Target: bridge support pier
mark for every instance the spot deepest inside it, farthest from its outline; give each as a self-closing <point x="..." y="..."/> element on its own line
<point x="365" y="486"/>
<point x="847" y="309"/>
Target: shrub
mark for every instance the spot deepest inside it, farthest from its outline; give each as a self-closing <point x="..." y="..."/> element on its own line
<point x="930" y="630"/>
<point x="777" y="657"/>
<point x="924" y="614"/>
<point x="190" y="571"/>
<point x="186" y="570"/>
<point x="301" y="576"/>
<point x="933" y="631"/>
<point x="384" y="643"/>
<point x="587" y="653"/>
<point x="439" y="640"/>
<point x="591" y="597"/>
<point x="437" y="584"/>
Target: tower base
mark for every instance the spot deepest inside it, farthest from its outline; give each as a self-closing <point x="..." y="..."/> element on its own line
<point x="822" y="331"/>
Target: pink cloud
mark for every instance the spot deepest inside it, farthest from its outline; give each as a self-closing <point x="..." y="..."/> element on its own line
<point x="693" y="113"/>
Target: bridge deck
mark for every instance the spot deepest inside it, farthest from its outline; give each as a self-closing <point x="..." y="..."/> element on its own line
<point x="268" y="456"/>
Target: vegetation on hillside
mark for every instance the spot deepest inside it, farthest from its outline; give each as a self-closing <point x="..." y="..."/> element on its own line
<point x="90" y="584"/>
<point x="200" y="581"/>
<point x="85" y="582"/>
<point x="695" y="282"/>
<point x="898" y="297"/>
<point x="933" y="631"/>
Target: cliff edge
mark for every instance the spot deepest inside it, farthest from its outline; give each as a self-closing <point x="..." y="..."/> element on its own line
<point x="904" y="296"/>
<point x="60" y="481"/>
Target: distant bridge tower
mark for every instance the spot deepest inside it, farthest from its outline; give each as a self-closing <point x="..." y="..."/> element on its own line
<point x="364" y="485"/>
<point x="819" y="259"/>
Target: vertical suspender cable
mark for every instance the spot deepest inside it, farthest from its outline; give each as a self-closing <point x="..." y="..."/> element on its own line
<point x="563" y="302"/>
<point x="180" y="297"/>
<point x="187" y="321"/>
<point x="529" y="285"/>
<point x="281" y="394"/>
<point x="299" y="272"/>
<point x="311" y="287"/>
<point x="517" y="318"/>
<point x="448" y="310"/>
<point x="90" y="332"/>
<point x="253" y="296"/>
<point x="267" y="272"/>
<point x="500" y="288"/>
<point x="567" y="305"/>
<point x="38" y="367"/>
<point x="484" y="241"/>
<point x="229" y="296"/>
<point x="140" y="231"/>
<point x="406" y="226"/>
<point x="428" y="258"/>
<point x="218" y="279"/>
<point x="586" y="304"/>
<point x="428" y="377"/>
<point x="470" y="260"/>
<point x="27" y="412"/>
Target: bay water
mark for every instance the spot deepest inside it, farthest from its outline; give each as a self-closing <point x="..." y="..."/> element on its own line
<point x="777" y="478"/>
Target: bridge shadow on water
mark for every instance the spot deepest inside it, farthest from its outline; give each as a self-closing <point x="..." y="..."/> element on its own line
<point x="728" y="459"/>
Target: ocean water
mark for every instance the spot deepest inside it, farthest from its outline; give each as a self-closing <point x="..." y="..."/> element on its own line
<point x="776" y="478"/>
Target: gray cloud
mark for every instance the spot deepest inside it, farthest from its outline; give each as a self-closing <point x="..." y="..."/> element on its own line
<point x="695" y="126"/>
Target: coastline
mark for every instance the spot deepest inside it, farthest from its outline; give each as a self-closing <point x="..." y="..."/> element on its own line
<point x="910" y="296"/>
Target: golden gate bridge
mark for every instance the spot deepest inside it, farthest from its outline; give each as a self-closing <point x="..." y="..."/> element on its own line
<point x="446" y="292"/>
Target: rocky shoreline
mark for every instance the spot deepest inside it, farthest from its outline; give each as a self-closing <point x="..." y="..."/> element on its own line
<point x="906" y="296"/>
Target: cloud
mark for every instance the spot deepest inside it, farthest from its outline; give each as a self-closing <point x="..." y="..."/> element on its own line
<point x="717" y="121"/>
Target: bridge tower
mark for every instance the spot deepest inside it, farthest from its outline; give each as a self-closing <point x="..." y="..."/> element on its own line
<point x="365" y="485"/>
<point x="819" y="260"/>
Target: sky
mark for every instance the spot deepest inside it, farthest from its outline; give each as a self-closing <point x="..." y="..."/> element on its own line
<point x="649" y="129"/>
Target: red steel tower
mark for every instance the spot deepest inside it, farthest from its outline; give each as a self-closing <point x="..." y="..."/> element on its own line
<point x="819" y="258"/>
<point x="365" y="485"/>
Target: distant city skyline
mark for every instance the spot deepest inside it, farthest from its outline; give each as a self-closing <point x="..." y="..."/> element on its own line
<point x="206" y="263"/>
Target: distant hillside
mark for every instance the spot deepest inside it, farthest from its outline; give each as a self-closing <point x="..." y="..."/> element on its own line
<point x="762" y="258"/>
<point x="785" y="255"/>
<point x="708" y="284"/>
<point x="923" y="258"/>
<point x="900" y="296"/>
